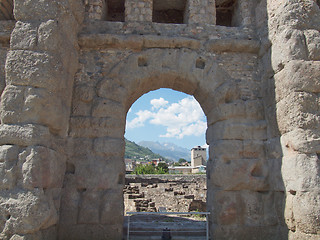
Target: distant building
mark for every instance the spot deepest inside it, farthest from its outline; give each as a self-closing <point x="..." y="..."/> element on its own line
<point x="198" y="156"/>
<point x="130" y="165"/>
<point x="198" y="162"/>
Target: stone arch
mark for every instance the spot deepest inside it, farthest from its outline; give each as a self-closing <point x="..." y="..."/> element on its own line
<point x="236" y="127"/>
<point x="182" y="70"/>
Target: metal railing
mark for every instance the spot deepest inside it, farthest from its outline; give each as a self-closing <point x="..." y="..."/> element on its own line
<point x="129" y="214"/>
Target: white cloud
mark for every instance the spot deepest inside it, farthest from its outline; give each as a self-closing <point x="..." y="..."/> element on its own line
<point x="142" y="117"/>
<point x="181" y="119"/>
<point x="157" y="103"/>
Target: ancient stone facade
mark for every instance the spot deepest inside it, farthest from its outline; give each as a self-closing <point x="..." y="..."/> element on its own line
<point x="73" y="69"/>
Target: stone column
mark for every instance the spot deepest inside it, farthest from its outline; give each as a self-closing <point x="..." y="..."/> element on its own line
<point x="200" y="12"/>
<point x="295" y="55"/>
<point x="138" y="10"/>
<point x="35" y="109"/>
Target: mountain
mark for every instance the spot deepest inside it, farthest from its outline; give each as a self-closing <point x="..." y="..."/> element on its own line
<point x="134" y="151"/>
<point x="168" y="150"/>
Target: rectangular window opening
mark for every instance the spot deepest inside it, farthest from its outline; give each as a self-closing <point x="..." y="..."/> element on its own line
<point x="115" y="10"/>
<point x="169" y="11"/>
<point x="225" y="13"/>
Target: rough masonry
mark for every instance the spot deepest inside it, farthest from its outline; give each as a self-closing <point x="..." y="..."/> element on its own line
<point x="71" y="69"/>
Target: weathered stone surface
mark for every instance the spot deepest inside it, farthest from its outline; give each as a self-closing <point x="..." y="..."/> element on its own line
<point x="313" y="44"/>
<point x="37" y="69"/>
<point x="53" y="71"/>
<point x="98" y="172"/>
<point x="307" y="204"/>
<point x="300" y="140"/>
<point x="109" y="146"/>
<point x="22" y="104"/>
<point x="26" y="212"/>
<point x="233" y="130"/>
<point x="301" y="172"/>
<point x="24" y="135"/>
<point x="90" y="207"/>
<point x="111" y="207"/>
<point x="298" y="110"/>
<point x="24" y="36"/>
<point x="297" y="76"/>
<point x="107" y="108"/>
<point x="289" y="45"/>
<point x="240" y="174"/>
<point x="8" y="162"/>
<point x="42" y="168"/>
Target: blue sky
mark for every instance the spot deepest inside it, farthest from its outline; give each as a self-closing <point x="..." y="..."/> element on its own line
<point x="166" y="115"/>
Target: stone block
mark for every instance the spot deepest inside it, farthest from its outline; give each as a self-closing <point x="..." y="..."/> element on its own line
<point x="9" y="153"/>
<point x="89" y="207"/>
<point x="112" y="206"/>
<point x="301" y="172"/>
<point x="8" y="166"/>
<point x="237" y="130"/>
<point x="111" y="89"/>
<point x="99" y="172"/>
<point x="297" y="75"/>
<point x="90" y="231"/>
<point x="79" y="147"/>
<point x="301" y="140"/>
<point x="306" y="211"/>
<point x="295" y="14"/>
<point x="80" y="108"/>
<point x="109" y="146"/>
<point x="107" y="108"/>
<point x="288" y="45"/>
<point x="298" y="110"/>
<point x="24" y="135"/>
<point x="313" y="44"/>
<point x="36" y="105"/>
<point x="28" y="10"/>
<point x="294" y="235"/>
<point x="248" y="232"/>
<point x="70" y="202"/>
<point x="84" y="93"/>
<point x="96" y="127"/>
<point x="249" y="174"/>
<point x="27" y="211"/>
<point x="42" y="167"/>
<point x="228" y="207"/>
<point x="24" y="36"/>
<point x="36" y="69"/>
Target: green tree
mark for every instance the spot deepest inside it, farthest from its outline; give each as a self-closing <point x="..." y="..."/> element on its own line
<point x="144" y="169"/>
<point x="162" y="168"/>
<point x="182" y="160"/>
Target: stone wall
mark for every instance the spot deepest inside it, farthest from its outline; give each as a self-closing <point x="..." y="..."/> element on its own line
<point x="175" y="193"/>
<point x="69" y="84"/>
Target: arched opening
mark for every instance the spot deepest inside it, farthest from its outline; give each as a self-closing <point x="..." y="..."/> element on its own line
<point x="95" y="177"/>
<point x="172" y="125"/>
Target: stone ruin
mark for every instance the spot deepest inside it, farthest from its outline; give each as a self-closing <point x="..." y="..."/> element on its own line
<point x="172" y="193"/>
<point x="71" y="69"/>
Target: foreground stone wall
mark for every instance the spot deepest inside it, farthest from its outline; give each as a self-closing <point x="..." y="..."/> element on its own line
<point x="175" y="193"/>
<point x="295" y="53"/>
<point x="69" y="84"/>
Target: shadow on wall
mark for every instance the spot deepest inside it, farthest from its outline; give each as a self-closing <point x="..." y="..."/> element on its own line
<point x="6" y="10"/>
